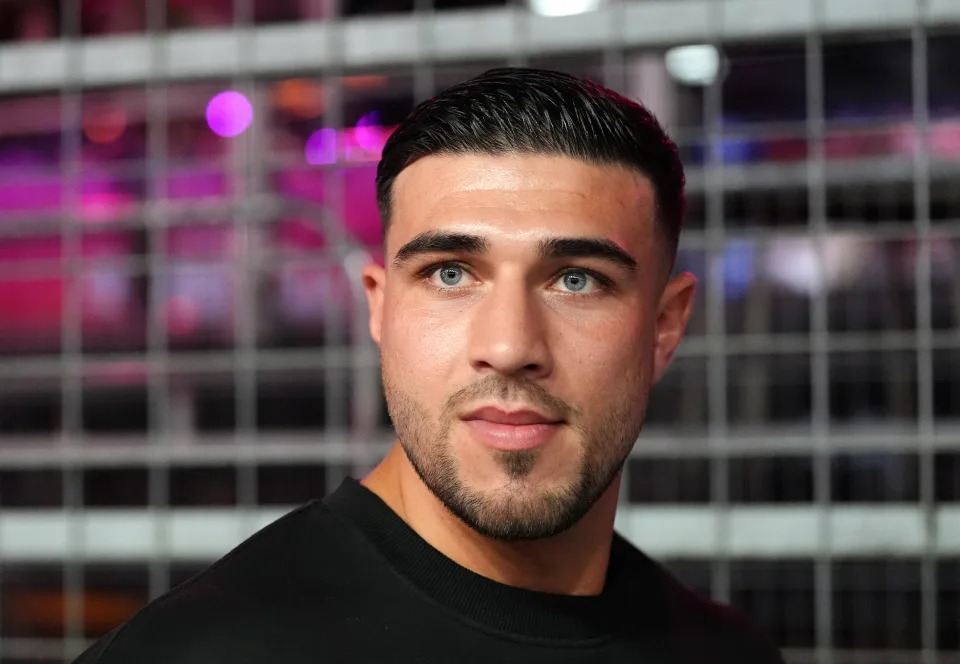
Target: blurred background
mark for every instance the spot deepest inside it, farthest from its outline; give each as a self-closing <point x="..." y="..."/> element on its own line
<point x="187" y="196"/>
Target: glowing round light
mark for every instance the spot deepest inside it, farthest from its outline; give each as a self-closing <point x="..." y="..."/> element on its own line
<point x="694" y="65"/>
<point x="563" y="7"/>
<point x="229" y="114"/>
<point x="104" y="125"/>
<point x="321" y="147"/>
<point x="299" y="96"/>
<point x="368" y="133"/>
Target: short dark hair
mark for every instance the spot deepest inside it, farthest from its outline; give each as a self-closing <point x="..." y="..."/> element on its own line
<point x="538" y="111"/>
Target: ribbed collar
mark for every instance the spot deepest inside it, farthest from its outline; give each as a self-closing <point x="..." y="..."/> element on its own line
<point x="629" y="599"/>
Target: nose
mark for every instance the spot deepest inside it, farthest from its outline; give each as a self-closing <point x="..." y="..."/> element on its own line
<point x="508" y="333"/>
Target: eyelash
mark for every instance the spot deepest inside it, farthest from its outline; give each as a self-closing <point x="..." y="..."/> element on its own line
<point x="603" y="282"/>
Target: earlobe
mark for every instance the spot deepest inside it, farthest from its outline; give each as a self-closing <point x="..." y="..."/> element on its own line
<point x="374" y="281"/>
<point x="673" y="313"/>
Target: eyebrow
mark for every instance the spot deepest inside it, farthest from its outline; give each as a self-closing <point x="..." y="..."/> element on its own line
<point x="440" y="241"/>
<point x="578" y="247"/>
<point x="587" y="247"/>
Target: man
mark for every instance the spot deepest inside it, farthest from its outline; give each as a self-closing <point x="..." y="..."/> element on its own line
<point x="525" y="309"/>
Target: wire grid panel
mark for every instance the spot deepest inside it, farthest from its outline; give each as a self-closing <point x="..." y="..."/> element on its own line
<point x="195" y="347"/>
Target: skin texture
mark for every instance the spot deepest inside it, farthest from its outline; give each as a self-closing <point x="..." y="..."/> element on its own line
<point x="503" y="321"/>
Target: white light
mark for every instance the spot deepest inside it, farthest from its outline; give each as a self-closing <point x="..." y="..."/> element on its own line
<point x="563" y="7"/>
<point x="694" y="65"/>
<point x="796" y="263"/>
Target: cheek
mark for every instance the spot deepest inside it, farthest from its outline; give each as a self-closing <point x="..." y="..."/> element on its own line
<point x="610" y="350"/>
<point x="422" y="343"/>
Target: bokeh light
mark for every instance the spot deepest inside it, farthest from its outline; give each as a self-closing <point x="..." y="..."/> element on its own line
<point x="563" y="7"/>
<point x="104" y="125"/>
<point x="229" y="113"/>
<point x="696" y="64"/>
<point x="300" y="97"/>
<point x="369" y="133"/>
<point x="359" y="82"/>
<point x="321" y="147"/>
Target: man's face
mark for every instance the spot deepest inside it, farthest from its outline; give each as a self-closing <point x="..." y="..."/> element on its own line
<point x="522" y="317"/>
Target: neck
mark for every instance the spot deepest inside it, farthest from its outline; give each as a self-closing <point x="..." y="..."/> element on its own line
<point x="573" y="562"/>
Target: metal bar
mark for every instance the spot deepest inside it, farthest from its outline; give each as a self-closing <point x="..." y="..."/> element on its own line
<point x="665" y="531"/>
<point x="335" y="392"/>
<point x="692" y="238"/>
<point x="71" y="331"/>
<point x="158" y="383"/>
<point x="462" y="35"/>
<point x="820" y="339"/>
<point x="716" y="336"/>
<point x="924" y="350"/>
<point x="37" y="451"/>
<point x="248" y="180"/>
<point x="214" y="362"/>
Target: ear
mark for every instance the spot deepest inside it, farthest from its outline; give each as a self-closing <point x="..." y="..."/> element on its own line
<point x="374" y="281"/>
<point x="673" y="312"/>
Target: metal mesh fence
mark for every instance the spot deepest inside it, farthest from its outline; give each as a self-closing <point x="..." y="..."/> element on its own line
<point x="183" y="337"/>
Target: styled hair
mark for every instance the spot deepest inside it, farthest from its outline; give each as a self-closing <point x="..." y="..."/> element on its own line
<point x="538" y="111"/>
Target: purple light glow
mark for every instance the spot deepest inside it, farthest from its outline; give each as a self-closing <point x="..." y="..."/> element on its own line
<point x="321" y="147"/>
<point x="229" y="114"/>
<point x="368" y="133"/>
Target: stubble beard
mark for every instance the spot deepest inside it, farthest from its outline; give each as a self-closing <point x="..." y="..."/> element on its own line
<point x="519" y="510"/>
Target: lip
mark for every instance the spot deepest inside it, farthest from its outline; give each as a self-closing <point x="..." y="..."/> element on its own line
<point x="518" y="417"/>
<point x="511" y="430"/>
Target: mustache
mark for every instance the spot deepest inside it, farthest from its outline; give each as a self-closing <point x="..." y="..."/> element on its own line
<point x="511" y="389"/>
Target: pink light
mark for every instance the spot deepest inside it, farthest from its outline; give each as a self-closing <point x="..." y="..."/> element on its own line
<point x="182" y="316"/>
<point x="945" y="139"/>
<point x="369" y="135"/>
<point x="229" y="114"/>
<point x="105" y="206"/>
<point x="321" y="147"/>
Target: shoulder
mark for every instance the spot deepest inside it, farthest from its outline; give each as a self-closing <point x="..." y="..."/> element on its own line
<point x="699" y="629"/>
<point x="236" y="603"/>
<point x="723" y="633"/>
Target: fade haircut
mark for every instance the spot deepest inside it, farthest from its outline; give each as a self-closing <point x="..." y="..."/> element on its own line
<point x="538" y="111"/>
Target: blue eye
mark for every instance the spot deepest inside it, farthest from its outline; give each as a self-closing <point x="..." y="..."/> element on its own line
<point x="447" y="276"/>
<point x="451" y="274"/>
<point x="575" y="281"/>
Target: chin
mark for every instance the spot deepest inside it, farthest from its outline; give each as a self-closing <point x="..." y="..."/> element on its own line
<point x="513" y="515"/>
<point x="519" y="476"/>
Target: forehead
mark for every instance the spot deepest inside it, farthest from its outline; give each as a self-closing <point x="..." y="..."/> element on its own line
<point x="517" y="196"/>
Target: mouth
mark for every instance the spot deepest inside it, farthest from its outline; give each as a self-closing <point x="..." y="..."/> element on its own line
<point x="512" y="430"/>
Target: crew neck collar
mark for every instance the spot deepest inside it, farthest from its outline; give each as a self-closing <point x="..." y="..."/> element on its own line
<point x="632" y="582"/>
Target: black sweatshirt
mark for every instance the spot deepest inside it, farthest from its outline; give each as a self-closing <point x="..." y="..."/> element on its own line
<point x="346" y="580"/>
